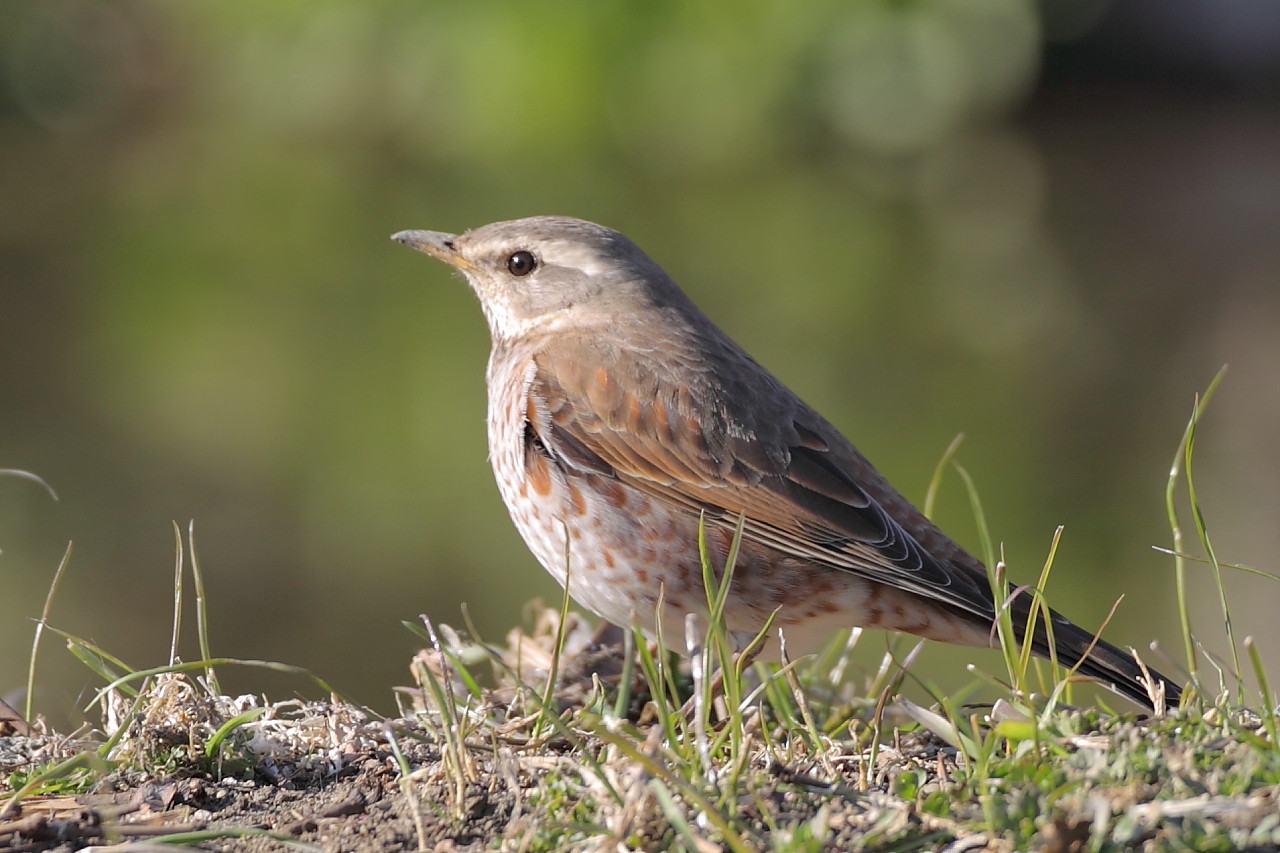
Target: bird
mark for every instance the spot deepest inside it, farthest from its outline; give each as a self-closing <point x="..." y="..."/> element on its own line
<point x="622" y="421"/>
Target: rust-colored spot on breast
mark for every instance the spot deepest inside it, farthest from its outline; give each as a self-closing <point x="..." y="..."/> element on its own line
<point x="614" y="494"/>
<point x="538" y="473"/>
<point x="607" y="554"/>
<point x="642" y="576"/>
<point x="577" y="500"/>
<point x="602" y="378"/>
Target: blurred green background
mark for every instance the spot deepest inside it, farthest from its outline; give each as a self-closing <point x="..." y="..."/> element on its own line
<point x="1043" y="225"/>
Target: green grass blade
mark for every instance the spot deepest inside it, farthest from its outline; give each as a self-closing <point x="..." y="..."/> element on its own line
<point x="106" y="665"/>
<point x="88" y="760"/>
<point x="935" y="482"/>
<point x="204" y="835"/>
<point x="224" y="731"/>
<point x="178" y="563"/>
<point x="121" y="682"/>
<point x="42" y="623"/>
<point x="1175" y="527"/>
<point x="553" y="672"/>
<point x="1202" y="531"/>
<point x="202" y="607"/>
<point x="1268" y="699"/>
<point x="27" y="475"/>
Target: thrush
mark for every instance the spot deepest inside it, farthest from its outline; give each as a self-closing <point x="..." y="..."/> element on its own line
<point x="620" y="416"/>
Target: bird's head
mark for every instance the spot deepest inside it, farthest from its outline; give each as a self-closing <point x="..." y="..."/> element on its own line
<point x="548" y="273"/>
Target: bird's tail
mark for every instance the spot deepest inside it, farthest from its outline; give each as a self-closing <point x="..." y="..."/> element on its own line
<point x="1088" y="655"/>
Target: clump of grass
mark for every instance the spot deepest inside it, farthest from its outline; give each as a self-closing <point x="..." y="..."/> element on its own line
<point x="163" y="720"/>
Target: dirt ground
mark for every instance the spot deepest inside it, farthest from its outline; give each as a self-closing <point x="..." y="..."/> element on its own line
<point x="190" y="766"/>
<point x="368" y="806"/>
<point x="364" y="806"/>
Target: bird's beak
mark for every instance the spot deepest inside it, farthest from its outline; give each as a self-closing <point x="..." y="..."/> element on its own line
<point x="437" y="244"/>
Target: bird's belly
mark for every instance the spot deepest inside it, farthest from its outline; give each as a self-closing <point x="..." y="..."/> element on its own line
<point x="634" y="559"/>
<point x="621" y="563"/>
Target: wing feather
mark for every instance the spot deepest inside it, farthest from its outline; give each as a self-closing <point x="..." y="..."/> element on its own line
<point x="803" y="489"/>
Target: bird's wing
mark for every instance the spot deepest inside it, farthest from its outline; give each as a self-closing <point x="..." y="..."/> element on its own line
<point x="801" y="487"/>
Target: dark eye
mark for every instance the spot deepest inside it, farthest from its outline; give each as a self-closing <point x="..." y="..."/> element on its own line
<point x="521" y="263"/>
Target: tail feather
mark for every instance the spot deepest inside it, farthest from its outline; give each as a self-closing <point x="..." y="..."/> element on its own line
<point x="1116" y="669"/>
